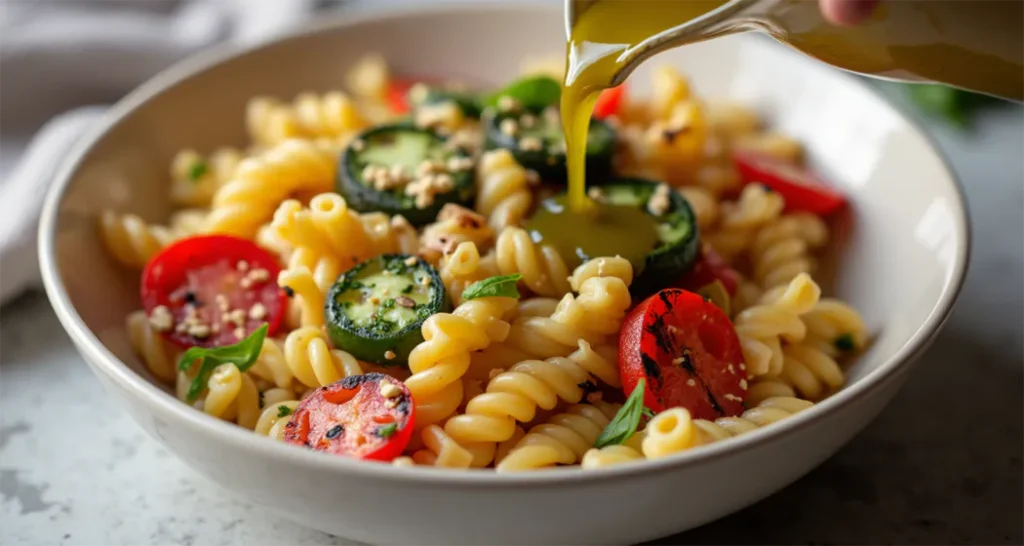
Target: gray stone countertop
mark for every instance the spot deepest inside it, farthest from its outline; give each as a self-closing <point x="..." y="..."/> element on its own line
<point x="942" y="464"/>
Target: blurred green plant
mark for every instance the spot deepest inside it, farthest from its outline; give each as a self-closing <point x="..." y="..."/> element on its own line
<point x="953" y="105"/>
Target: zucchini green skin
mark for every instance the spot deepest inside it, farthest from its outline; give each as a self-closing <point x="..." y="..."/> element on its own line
<point x="551" y="164"/>
<point x="467" y="102"/>
<point x="664" y="265"/>
<point x="364" y="198"/>
<point x="366" y="344"/>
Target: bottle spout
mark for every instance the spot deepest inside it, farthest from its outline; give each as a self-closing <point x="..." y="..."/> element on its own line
<point x="668" y="32"/>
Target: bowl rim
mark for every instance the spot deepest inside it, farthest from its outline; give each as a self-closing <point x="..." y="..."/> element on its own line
<point x="158" y="401"/>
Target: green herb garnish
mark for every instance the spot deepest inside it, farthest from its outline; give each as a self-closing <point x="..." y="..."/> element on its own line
<point x="197" y="170"/>
<point x="502" y="286"/>
<point x="283" y="411"/>
<point x="242" y="354"/>
<point x="533" y="92"/>
<point x="387" y="431"/>
<point x="648" y="413"/>
<point x="844" y="342"/>
<point x="949" y="103"/>
<point x="624" y="423"/>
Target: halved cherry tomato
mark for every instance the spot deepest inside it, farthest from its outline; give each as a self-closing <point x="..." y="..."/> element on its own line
<point x="229" y="286"/>
<point x="609" y="101"/>
<point x="687" y="351"/>
<point x="367" y="416"/>
<point x="398" y="96"/>
<point x="710" y="267"/>
<point x="802" y="190"/>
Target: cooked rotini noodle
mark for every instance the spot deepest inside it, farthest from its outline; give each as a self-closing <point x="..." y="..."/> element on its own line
<point x="441" y="450"/>
<point x="329" y="228"/>
<point x="248" y="199"/>
<point x="272" y="366"/>
<point x="762" y="328"/>
<point x="232" y="396"/>
<point x="515" y="394"/>
<point x="830" y="323"/>
<point x="731" y="120"/>
<point x="609" y="456"/>
<point x="151" y="346"/>
<point x="676" y="145"/>
<point x="456" y="225"/>
<point x="273" y="419"/>
<point x="542" y="268"/>
<point x="766" y="412"/>
<point x="503" y="189"/>
<point x="781" y="250"/>
<point x="331" y="116"/>
<point x="130" y="239"/>
<point x="464" y="267"/>
<point x="305" y="293"/>
<point x="772" y="144"/>
<point x="739" y="220"/>
<point x="616" y="267"/>
<point x="562" y="439"/>
<point x="187" y="222"/>
<point x="194" y="179"/>
<point x="442" y="359"/>
<point x="313" y="362"/>
<point x="703" y="203"/>
<point x="593" y="315"/>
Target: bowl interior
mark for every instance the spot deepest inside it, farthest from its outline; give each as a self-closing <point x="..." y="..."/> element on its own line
<point x="898" y="257"/>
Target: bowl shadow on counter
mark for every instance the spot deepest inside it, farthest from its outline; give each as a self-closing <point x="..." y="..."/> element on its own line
<point x="940" y="465"/>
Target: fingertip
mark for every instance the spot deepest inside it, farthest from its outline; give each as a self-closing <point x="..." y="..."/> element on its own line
<point x="847" y="12"/>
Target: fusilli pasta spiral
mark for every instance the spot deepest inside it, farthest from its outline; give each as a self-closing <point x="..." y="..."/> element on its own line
<point x="762" y="328"/>
<point x="130" y="240"/>
<point x="543" y="269"/>
<point x="781" y="249"/>
<point x="562" y="439"/>
<point x="442" y="359"/>
<point x="151" y="346"/>
<point x="245" y="202"/>
<point x="503" y="189"/>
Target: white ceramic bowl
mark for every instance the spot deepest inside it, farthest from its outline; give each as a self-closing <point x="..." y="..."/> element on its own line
<point x="902" y="260"/>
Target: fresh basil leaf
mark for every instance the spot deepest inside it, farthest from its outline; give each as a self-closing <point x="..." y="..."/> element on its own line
<point x="533" y="92"/>
<point x="624" y="423"/>
<point x="197" y="170"/>
<point x="844" y="342"/>
<point x="242" y="354"/>
<point x="648" y="413"/>
<point x="283" y="411"/>
<point x="387" y="431"/>
<point x="502" y="286"/>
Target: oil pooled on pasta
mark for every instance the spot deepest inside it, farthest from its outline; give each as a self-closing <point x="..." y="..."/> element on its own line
<point x="599" y="229"/>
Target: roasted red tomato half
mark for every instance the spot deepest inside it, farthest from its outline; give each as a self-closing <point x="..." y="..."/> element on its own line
<point x="212" y="291"/>
<point x="687" y="351"/>
<point x="367" y="416"/>
<point x="609" y="102"/>
<point x="802" y="190"/>
<point x="710" y="267"/>
<point x="398" y="96"/>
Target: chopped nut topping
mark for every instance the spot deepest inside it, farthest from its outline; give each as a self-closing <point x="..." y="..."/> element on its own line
<point x="358" y="144"/>
<point x="595" y="193"/>
<point x="531" y="144"/>
<point x="460" y="163"/>
<point x="246" y="282"/>
<point x="733" y="397"/>
<point x="509" y="127"/>
<point x="508" y="104"/>
<point x="659" y="202"/>
<point x="405" y="301"/>
<point x="389" y="355"/>
<point x="444" y="117"/>
<point x="528" y="120"/>
<point x="199" y="331"/>
<point x="242" y="266"/>
<point x="222" y="302"/>
<point x="387" y="388"/>
<point x="161" y="319"/>
<point x="236" y="316"/>
<point x="425" y="281"/>
<point x="743" y="384"/>
<point x="258" y="311"/>
<point x="691" y="382"/>
<point x="239" y="332"/>
<point x="411" y="260"/>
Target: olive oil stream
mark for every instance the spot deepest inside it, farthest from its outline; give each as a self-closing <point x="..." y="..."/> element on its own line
<point x="976" y="45"/>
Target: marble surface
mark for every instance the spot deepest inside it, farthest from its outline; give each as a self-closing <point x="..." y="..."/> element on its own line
<point x="942" y="464"/>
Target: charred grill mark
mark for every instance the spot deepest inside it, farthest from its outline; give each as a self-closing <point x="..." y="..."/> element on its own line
<point x="711" y="398"/>
<point x="651" y="367"/>
<point x="658" y="331"/>
<point x="335" y="431"/>
<point x="354" y="381"/>
<point x="685" y="362"/>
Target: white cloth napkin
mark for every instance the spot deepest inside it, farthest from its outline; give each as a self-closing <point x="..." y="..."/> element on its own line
<point x="63" y="62"/>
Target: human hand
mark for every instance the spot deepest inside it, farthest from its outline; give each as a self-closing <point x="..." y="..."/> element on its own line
<point x="847" y="12"/>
